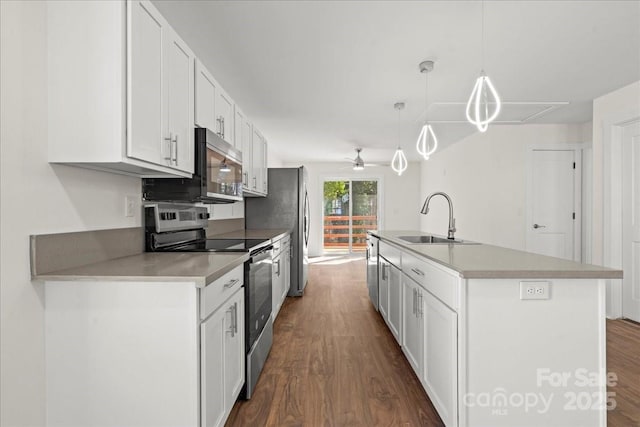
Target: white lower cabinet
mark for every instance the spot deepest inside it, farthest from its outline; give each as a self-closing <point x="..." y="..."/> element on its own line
<point x="441" y="357"/>
<point x="417" y="300"/>
<point x="413" y="324"/>
<point x="222" y="360"/>
<point x="280" y="275"/>
<point x="151" y="354"/>
<point x="383" y="288"/>
<point x="394" y="318"/>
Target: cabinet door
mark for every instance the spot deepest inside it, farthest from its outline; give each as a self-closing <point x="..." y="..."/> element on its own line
<point x="179" y="72"/>
<point x="265" y="174"/>
<point x="412" y="328"/>
<point x="234" y="355"/>
<point x="205" y="98"/>
<point x="212" y="340"/>
<point x="145" y="134"/>
<point x="247" y="161"/>
<point x="441" y="357"/>
<point x="394" y="316"/>
<point x="257" y="159"/>
<point x="225" y="115"/>
<point x="286" y="270"/>
<point x="383" y="288"/>
<point x="238" y="126"/>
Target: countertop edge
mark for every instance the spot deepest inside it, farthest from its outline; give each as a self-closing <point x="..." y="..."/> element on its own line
<point x="505" y="274"/>
<point x="199" y="281"/>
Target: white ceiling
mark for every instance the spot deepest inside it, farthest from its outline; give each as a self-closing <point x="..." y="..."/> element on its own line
<point x="320" y="78"/>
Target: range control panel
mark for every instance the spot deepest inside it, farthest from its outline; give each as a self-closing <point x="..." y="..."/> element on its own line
<point x="161" y="217"/>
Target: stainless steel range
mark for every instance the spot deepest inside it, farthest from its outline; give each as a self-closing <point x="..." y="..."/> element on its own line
<point x="182" y="228"/>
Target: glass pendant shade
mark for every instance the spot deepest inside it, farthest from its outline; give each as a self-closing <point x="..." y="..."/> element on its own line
<point x="399" y="162"/>
<point x="484" y="103"/>
<point x="427" y="141"/>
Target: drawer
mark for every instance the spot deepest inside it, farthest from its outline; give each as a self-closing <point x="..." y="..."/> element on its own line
<point x="390" y="253"/>
<point x="216" y="293"/>
<point x="439" y="282"/>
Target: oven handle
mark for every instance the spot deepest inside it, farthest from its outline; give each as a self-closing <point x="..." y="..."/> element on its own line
<point x="260" y="254"/>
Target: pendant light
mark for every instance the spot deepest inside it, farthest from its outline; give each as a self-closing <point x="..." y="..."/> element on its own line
<point x="427" y="141"/>
<point x="399" y="162"/>
<point x="484" y="103"/>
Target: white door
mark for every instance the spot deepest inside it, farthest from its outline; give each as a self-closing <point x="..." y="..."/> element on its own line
<point x="395" y="301"/>
<point x="412" y="325"/>
<point x="551" y="204"/>
<point x="631" y="221"/>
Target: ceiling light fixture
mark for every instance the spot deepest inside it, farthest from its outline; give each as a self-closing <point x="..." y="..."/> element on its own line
<point x="399" y="162"/>
<point x="484" y="103"/>
<point x="427" y="141"/>
<point x="358" y="163"/>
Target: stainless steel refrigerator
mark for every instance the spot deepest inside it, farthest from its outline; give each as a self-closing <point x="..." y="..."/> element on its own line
<point x="286" y="206"/>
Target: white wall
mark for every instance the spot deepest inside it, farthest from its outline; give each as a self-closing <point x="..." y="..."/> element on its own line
<point x="399" y="196"/>
<point x="485" y="175"/>
<point x="36" y="198"/>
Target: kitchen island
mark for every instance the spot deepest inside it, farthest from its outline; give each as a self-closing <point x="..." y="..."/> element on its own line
<point x="497" y="336"/>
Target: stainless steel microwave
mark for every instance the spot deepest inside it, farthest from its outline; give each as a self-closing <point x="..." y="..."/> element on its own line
<point x="217" y="176"/>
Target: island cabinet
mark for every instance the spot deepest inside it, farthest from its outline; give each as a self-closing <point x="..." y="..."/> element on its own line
<point x="120" y="89"/>
<point x="430" y="337"/>
<point x="390" y="288"/>
<point x="499" y="337"/>
<point x="144" y="353"/>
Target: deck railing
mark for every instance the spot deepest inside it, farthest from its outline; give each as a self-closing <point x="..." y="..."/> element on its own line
<point x="336" y="231"/>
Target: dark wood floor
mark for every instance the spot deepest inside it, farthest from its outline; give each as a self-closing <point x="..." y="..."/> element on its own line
<point x="334" y="363"/>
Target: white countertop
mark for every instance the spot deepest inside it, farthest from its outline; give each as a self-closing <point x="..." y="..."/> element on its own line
<point x="200" y="268"/>
<point x="488" y="261"/>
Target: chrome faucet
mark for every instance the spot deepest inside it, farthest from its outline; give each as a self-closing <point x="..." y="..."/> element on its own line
<point x="452" y="220"/>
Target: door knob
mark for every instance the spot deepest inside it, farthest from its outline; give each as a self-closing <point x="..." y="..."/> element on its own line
<point x="539" y="226"/>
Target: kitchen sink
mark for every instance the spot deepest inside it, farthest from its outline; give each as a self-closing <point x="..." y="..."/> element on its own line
<point x="431" y="240"/>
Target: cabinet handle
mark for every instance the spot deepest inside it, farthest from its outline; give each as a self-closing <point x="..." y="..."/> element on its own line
<point x="245" y="176"/>
<point x="291" y="251"/>
<point x="235" y="317"/>
<point x="231" y="283"/>
<point x="419" y="308"/>
<point x="168" y="148"/>
<point x="384" y="271"/>
<point x="175" y="150"/>
<point x="255" y="184"/>
<point x="222" y="118"/>
<point x="413" y="300"/>
<point x="219" y="121"/>
<point x="278" y="271"/>
<point x="417" y="271"/>
<point x="231" y="329"/>
<point x="264" y="186"/>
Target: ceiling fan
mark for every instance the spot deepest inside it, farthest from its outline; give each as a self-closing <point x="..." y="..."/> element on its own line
<point x="357" y="163"/>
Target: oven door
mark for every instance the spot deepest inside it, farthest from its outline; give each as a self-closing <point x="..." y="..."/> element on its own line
<point x="258" y="295"/>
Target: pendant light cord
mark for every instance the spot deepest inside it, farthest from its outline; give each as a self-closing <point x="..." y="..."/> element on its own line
<point x="482" y="40"/>
<point x="426" y="97"/>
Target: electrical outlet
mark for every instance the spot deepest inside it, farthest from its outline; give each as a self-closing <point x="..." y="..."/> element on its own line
<point x="129" y="205"/>
<point x="535" y="290"/>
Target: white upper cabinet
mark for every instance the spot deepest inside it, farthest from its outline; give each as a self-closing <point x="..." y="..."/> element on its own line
<point x="119" y="85"/>
<point x="146" y="86"/>
<point x="179" y="102"/>
<point x="225" y="115"/>
<point x="205" y="98"/>
<point x="238" y="125"/>
<point x="214" y="107"/>
<point x="258" y="177"/>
